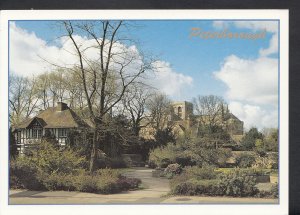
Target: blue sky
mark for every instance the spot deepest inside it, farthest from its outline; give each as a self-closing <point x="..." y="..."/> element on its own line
<point x="200" y="59"/>
<point x="169" y="40"/>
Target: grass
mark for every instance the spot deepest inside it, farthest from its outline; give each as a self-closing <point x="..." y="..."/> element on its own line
<point x="272" y="172"/>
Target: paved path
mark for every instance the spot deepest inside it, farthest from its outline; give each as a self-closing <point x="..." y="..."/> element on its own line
<point x="154" y="192"/>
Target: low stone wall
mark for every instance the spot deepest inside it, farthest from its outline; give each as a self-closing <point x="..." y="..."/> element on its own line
<point x="262" y="178"/>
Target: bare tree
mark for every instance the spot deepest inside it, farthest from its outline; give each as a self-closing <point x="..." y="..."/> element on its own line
<point x="211" y="109"/>
<point x="43" y="89"/>
<point x="105" y="76"/>
<point x="134" y="103"/>
<point x="23" y="99"/>
<point x="160" y="111"/>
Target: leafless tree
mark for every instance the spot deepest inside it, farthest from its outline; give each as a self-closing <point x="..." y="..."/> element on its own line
<point x="23" y="100"/>
<point x="134" y="103"/>
<point x="43" y="89"/>
<point x="159" y="106"/>
<point x="105" y="76"/>
<point x="211" y="110"/>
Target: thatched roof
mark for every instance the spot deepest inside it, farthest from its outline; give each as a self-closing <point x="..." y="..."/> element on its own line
<point x="56" y="118"/>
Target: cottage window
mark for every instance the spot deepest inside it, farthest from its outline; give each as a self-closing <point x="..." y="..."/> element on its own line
<point x="62" y="132"/>
<point x="27" y="133"/>
<point x="36" y="133"/>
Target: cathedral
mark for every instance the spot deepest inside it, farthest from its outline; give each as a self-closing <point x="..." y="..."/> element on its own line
<point x="184" y="118"/>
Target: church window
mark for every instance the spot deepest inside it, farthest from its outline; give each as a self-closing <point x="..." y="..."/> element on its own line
<point x="180" y="112"/>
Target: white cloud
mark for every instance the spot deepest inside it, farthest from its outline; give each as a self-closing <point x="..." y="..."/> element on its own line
<point x="221" y="24"/>
<point x="273" y="47"/>
<point x="252" y="89"/>
<point x="254" y="116"/>
<point x="270" y="26"/>
<point x="253" y="81"/>
<point x="170" y="82"/>
<point x="27" y="52"/>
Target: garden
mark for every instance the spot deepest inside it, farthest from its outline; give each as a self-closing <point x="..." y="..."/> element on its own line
<point x="197" y="168"/>
<point x="51" y="168"/>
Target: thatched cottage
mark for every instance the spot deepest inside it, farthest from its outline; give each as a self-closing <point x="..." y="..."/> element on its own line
<point x="55" y="120"/>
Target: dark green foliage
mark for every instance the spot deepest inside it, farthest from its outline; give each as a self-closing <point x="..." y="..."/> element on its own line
<point x="81" y="142"/>
<point x="272" y="141"/>
<point x="185" y="161"/>
<point x="164" y="136"/>
<point x="248" y="141"/>
<point x="24" y="175"/>
<point x="213" y="136"/>
<point x="245" y="160"/>
<point x="50" y="138"/>
<point x="117" y="163"/>
<point x="13" y="149"/>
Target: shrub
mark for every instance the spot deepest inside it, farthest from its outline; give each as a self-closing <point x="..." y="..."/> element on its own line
<point x="117" y="163"/>
<point x="48" y="159"/>
<point x="172" y="169"/>
<point x="49" y="168"/>
<point x="207" y="181"/>
<point x="86" y="183"/>
<point x="57" y="181"/>
<point x="163" y="156"/>
<point x="185" y="160"/>
<point x="248" y="141"/>
<point x="189" y="182"/>
<point x="128" y="183"/>
<point x="275" y="191"/>
<point x="237" y="183"/>
<point x="23" y="175"/>
<point x="268" y="162"/>
<point x="204" y="173"/>
<point x="245" y="160"/>
<point x="196" y="187"/>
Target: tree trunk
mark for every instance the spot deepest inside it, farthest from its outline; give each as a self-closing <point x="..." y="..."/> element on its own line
<point x="93" y="159"/>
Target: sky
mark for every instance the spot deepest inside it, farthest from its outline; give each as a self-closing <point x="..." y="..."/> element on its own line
<point x="243" y="71"/>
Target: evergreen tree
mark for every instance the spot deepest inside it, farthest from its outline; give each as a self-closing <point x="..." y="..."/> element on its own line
<point x="248" y="141"/>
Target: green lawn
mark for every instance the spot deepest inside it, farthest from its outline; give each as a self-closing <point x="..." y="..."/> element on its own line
<point x="272" y="172"/>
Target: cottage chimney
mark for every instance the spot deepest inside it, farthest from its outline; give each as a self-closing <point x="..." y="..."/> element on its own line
<point x="61" y="106"/>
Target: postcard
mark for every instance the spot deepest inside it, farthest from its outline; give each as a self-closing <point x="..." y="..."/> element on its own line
<point x="144" y="111"/>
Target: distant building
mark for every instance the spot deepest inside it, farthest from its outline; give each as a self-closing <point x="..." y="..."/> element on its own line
<point x="57" y="121"/>
<point x="183" y="118"/>
<point x="182" y="110"/>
